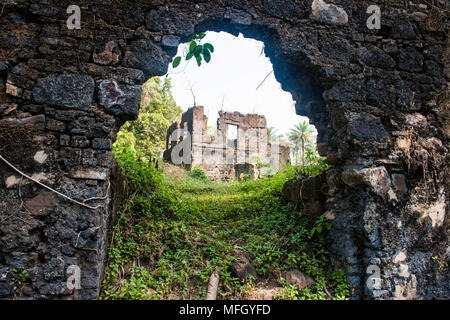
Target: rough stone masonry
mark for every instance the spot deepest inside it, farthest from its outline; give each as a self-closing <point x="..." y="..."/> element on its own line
<point x="379" y="99"/>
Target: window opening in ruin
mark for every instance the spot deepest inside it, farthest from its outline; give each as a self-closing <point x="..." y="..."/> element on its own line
<point x="232" y="132"/>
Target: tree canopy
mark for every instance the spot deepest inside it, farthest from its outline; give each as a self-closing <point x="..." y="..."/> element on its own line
<point x="301" y="138"/>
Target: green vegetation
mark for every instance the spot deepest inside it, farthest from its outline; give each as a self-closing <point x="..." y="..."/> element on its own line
<point x="147" y="135"/>
<point x="302" y="139"/>
<point x="197" y="50"/>
<point x="198" y="173"/>
<point x="21" y="276"/>
<point x="172" y="233"/>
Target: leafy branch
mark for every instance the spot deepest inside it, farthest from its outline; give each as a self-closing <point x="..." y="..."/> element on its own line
<point x="197" y="50"/>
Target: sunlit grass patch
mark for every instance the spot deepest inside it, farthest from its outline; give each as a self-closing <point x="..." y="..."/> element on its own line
<point x="172" y="233"/>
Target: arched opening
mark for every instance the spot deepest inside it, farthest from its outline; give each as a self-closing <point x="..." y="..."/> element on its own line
<point x="224" y="230"/>
<point x="377" y="98"/>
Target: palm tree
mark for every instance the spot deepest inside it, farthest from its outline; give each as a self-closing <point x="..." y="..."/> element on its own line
<point x="274" y="135"/>
<point x="299" y="136"/>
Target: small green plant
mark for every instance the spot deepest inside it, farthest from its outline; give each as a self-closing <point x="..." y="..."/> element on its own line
<point x="262" y="165"/>
<point x="21" y="276"/>
<point x="321" y="224"/>
<point x="198" y="173"/>
<point x="197" y="50"/>
<point x="441" y="263"/>
<point x="338" y="281"/>
<point x="331" y="287"/>
<point x="314" y="168"/>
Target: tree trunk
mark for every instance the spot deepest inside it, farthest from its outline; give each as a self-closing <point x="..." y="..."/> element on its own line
<point x="303" y="152"/>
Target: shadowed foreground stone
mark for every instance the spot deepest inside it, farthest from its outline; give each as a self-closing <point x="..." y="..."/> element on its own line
<point x="298" y="278"/>
<point x="70" y="91"/>
<point x="242" y="267"/>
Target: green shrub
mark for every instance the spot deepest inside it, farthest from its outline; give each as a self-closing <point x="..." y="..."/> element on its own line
<point x="198" y="173"/>
<point x="171" y="234"/>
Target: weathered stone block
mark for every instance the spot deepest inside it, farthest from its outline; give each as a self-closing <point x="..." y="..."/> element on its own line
<point x="14" y="90"/>
<point x="80" y="142"/>
<point x="338" y="49"/>
<point x="13" y="180"/>
<point x="55" y="125"/>
<point x="37" y="122"/>
<point x="346" y="91"/>
<point x="403" y="30"/>
<point x="41" y="204"/>
<point x="44" y="10"/>
<point x="328" y="13"/>
<point x="148" y="57"/>
<point x="433" y="68"/>
<point x="417" y="121"/>
<point x="411" y="60"/>
<point x="40" y="156"/>
<point x="375" y="57"/>
<point x="378" y="178"/>
<point x="307" y="194"/>
<point x="3" y="66"/>
<point x="70" y="91"/>
<point x="162" y="20"/>
<point x="123" y="102"/>
<point x="170" y="42"/>
<point x="92" y="174"/>
<point x="98" y="143"/>
<point x="64" y="140"/>
<point x="46" y="50"/>
<point x="364" y="126"/>
<point x="111" y="54"/>
<point x="238" y="18"/>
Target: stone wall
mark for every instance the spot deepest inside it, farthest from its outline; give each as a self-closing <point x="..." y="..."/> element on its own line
<point x="223" y="158"/>
<point x="379" y="99"/>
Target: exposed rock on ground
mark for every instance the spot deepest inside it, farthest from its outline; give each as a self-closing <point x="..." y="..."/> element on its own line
<point x="298" y="278"/>
<point x="243" y="268"/>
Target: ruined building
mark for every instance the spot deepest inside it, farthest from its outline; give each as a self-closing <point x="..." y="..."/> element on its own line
<point x="221" y="156"/>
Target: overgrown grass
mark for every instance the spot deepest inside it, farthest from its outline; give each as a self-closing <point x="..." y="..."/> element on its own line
<point x="170" y="235"/>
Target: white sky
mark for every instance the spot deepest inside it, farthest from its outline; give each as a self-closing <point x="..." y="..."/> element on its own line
<point x="236" y="69"/>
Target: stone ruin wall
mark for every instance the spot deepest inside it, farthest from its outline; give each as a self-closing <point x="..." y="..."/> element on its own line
<point x="222" y="158"/>
<point x="378" y="98"/>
